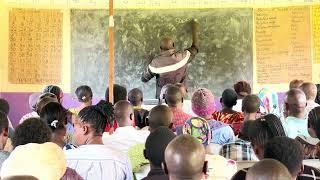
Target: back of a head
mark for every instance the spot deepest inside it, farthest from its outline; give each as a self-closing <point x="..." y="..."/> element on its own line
<point x="56" y="90"/>
<point x="54" y="115"/>
<point x="173" y="96"/>
<point x="242" y="88"/>
<point x="250" y="104"/>
<point x="184" y="157"/>
<point x="160" y="115"/>
<point x="43" y="161"/>
<point x="44" y="99"/>
<point x="229" y="98"/>
<point x="20" y="178"/>
<point x="4" y="106"/>
<point x="123" y="112"/>
<point x="265" y="128"/>
<point x="84" y="93"/>
<point x="202" y="102"/>
<point x="296" y="83"/>
<point x="245" y="130"/>
<point x="4" y="123"/>
<point x="286" y="150"/>
<point x="32" y="130"/>
<point x="182" y="89"/>
<point x="296" y="101"/>
<point x="166" y="43"/>
<point x="310" y="90"/>
<point x="156" y="144"/>
<point x="119" y="93"/>
<point x="97" y="116"/>
<point x="314" y="121"/>
<point x="135" y="96"/>
<point x="268" y="169"/>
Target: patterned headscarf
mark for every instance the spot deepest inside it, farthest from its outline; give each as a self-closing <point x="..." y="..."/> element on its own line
<point x="269" y="102"/>
<point x="198" y="128"/>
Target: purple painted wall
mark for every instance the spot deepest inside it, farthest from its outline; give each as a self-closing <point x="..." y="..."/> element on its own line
<point x="19" y="105"/>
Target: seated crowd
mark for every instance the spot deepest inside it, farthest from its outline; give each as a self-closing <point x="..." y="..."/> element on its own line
<point x="253" y="136"/>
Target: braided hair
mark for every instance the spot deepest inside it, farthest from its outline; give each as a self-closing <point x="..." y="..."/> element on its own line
<point x="98" y="116"/>
<point x="265" y="128"/>
<point x="314" y="120"/>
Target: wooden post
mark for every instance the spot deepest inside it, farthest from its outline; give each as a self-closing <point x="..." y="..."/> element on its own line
<point x="111" y="51"/>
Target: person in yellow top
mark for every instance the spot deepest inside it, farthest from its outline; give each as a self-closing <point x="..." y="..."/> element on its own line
<point x="84" y="96"/>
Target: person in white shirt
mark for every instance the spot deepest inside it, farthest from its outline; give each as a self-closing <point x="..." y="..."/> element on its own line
<point x="125" y="136"/>
<point x="93" y="160"/>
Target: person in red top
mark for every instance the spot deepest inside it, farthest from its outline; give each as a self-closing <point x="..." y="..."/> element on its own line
<point x="227" y="115"/>
<point x="174" y="99"/>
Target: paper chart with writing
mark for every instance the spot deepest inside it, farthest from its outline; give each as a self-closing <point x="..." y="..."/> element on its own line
<point x="283" y="43"/>
<point x="35" y="46"/>
<point x="316" y="33"/>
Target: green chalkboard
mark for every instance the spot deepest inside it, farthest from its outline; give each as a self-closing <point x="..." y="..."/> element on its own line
<point x="225" y="44"/>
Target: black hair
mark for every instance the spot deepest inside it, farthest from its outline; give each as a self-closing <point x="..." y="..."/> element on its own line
<point x="156" y="144"/>
<point x="159" y="116"/>
<point x="4" y="106"/>
<point x="54" y="115"/>
<point x="250" y="104"/>
<point x="286" y="150"/>
<point x="265" y="128"/>
<point x="4" y="123"/>
<point x="98" y="116"/>
<point x="32" y="130"/>
<point x="314" y="120"/>
<point x="245" y="129"/>
<point x="119" y="93"/>
<point x="84" y="93"/>
<point x="44" y="99"/>
<point x="56" y="90"/>
<point x="229" y="98"/>
<point x="135" y="96"/>
<point x="173" y="95"/>
<point x="318" y="94"/>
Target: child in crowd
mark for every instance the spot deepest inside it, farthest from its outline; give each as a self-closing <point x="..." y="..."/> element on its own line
<point x="55" y="116"/>
<point x="227" y="114"/>
<point x="135" y="97"/>
<point x="174" y="100"/>
<point x="84" y="96"/>
<point x="242" y="89"/>
<point x="203" y="106"/>
<point x="250" y="107"/>
<point x="310" y="90"/>
<point x="155" y="147"/>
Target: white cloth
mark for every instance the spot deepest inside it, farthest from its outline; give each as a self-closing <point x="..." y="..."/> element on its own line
<point x="238" y="106"/>
<point x="99" y="162"/>
<point x="125" y="137"/>
<point x="187" y="108"/>
<point x="29" y="115"/>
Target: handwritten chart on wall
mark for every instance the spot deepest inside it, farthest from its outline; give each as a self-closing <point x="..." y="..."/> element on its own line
<point x="283" y="44"/>
<point x="35" y="46"/>
<point x="316" y="33"/>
